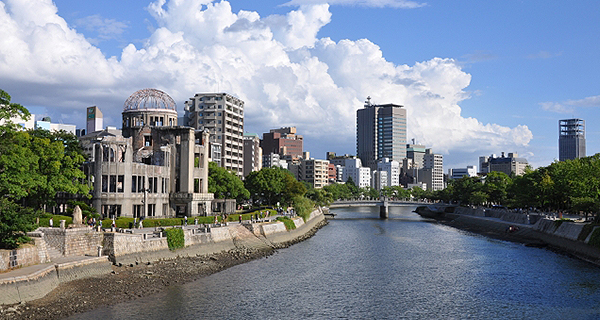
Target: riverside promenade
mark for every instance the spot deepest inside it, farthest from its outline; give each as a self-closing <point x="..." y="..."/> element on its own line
<point x="136" y="246"/>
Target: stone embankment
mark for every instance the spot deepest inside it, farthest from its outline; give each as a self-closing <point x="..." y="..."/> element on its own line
<point x="139" y="267"/>
<point x="534" y="230"/>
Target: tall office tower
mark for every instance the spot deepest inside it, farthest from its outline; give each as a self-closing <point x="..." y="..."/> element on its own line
<point x="571" y="139"/>
<point x="94" y="120"/>
<point x="252" y="153"/>
<point x="223" y="116"/>
<point x="283" y="141"/>
<point x="433" y="170"/>
<point x="380" y="133"/>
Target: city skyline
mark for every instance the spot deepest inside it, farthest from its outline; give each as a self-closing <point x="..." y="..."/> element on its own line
<point x="475" y="78"/>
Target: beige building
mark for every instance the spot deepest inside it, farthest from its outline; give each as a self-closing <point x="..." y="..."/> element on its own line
<point x="315" y="172"/>
<point x="223" y="116"/>
<point x="253" y="156"/>
<point x="148" y="169"/>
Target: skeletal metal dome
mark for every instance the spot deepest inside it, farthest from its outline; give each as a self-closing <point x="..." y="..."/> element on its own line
<point x="149" y="99"/>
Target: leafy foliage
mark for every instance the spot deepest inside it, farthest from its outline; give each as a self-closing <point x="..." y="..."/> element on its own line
<point x="175" y="238"/>
<point x="15" y="222"/>
<point x="289" y="223"/>
<point x="272" y="185"/>
<point x="225" y="184"/>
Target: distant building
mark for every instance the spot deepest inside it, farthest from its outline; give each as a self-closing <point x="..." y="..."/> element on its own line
<point x="571" y="139"/>
<point x="94" y="120"/>
<point x="457" y="173"/>
<point x="380" y="133"/>
<point x="391" y="168"/>
<point x="273" y="160"/>
<point x="223" y="116"/>
<point x="252" y="153"/>
<point x="510" y="164"/>
<point x="433" y="171"/>
<point x="360" y="175"/>
<point x="283" y="141"/>
<point x="315" y="172"/>
<point x="331" y="173"/>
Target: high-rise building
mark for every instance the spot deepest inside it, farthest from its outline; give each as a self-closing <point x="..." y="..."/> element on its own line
<point x="433" y="170"/>
<point x="223" y="116"/>
<point x="380" y="133"/>
<point x="283" y="141"/>
<point x="94" y="120"/>
<point x="571" y="139"/>
<point x="252" y="153"/>
<point x="360" y="175"/>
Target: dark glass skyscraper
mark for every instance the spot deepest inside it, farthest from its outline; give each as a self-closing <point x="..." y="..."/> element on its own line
<point x="380" y="133"/>
<point x="571" y="139"/>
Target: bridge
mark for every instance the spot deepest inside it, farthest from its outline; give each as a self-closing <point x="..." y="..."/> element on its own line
<point x="382" y="204"/>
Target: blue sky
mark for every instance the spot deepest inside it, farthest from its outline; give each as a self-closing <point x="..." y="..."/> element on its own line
<point x="477" y="77"/>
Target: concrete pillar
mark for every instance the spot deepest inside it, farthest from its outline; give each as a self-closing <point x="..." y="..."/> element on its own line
<point x="383" y="210"/>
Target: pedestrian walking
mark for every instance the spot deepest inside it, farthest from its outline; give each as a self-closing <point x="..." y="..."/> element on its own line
<point x="185" y="221"/>
<point x="51" y="223"/>
<point x="240" y="218"/>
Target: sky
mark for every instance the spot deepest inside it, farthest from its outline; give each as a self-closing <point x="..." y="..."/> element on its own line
<point x="476" y="77"/>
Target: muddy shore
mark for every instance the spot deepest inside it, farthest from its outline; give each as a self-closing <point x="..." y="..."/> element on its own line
<point x="134" y="281"/>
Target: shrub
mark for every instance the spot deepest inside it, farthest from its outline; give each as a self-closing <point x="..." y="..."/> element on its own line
<point x="303" y="207"/>
<point x="289" y="223"/>
<point x="175" y="238"/>
<point x="45" y="220"/>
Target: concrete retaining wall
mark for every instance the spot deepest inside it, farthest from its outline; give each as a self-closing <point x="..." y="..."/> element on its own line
<point x="564" y="237"/>
<point x="73" y="242"/>
<point x="39" y="283"/>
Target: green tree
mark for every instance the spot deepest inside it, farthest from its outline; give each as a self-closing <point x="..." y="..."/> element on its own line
<point x="272" y="185"/>
<point x="15" y="222"/>
<point x="321" y="197"/>
<point x="496" y="186"/>
<point x="224" y="184"/>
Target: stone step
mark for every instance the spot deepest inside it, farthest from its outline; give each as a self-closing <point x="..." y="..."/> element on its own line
<point x="53" y="253"/>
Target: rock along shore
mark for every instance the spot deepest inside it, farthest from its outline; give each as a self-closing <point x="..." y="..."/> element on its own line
<point x="140" y="279"/>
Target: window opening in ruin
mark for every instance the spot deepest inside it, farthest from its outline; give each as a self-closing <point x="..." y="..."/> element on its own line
<point x="104" y="183"/>
<point x="196" y="185"/>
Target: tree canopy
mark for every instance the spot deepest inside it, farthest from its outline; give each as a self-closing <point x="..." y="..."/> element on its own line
<point x="272" y="185"/>
<point x="225" y="184"/>
<point x="34" y="166"/>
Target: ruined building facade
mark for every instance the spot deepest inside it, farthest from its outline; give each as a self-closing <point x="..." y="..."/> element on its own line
<point x="152" y="167"/>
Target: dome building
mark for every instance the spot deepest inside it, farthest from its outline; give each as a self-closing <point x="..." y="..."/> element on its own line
<point x="152" y="167"/>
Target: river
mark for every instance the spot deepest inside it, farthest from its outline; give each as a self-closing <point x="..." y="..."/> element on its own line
<point x="362" y="267"/>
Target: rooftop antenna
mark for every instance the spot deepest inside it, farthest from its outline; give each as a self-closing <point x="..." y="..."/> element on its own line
<point x="368" y="102"/>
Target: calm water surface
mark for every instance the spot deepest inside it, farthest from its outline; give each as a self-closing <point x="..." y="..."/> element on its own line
<point x="405" y="267"/>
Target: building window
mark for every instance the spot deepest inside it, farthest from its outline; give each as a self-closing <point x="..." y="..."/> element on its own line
<point x="104" y="183"/>
<point x="196" y="185"/>
<point x="112" y="184"/>
<point x="137" y="210"/>
<point x="151" y="210"/>
<point x="120" y="180"/>
<point x="134" y="184"/>
<point x="165" y="210"/>
<point x="147" y="141"/>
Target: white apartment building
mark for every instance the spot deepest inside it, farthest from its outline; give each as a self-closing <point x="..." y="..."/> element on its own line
<point x="361" y="175"/>
<point x="392" y="169"/>
<point x="433" y="170"/>
<point x="223" y="116"/>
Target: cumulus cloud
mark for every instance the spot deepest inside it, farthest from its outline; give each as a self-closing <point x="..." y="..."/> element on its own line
<point x="404" y="4"/>
<point x="570" y="105"/>
<point x="276" y="64"/>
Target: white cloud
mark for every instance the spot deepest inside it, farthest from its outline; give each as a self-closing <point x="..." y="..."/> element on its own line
<point x="570" y="105"/>
<point x="276" y="64"/>
<point x="403" y="4"/>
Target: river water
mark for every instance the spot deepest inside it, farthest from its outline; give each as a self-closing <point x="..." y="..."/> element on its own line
<point x="361" y="267"/>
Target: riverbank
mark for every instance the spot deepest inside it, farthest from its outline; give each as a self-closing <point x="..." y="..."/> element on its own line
<point x="571" y="238"/>
<point x="140" y="279"/>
